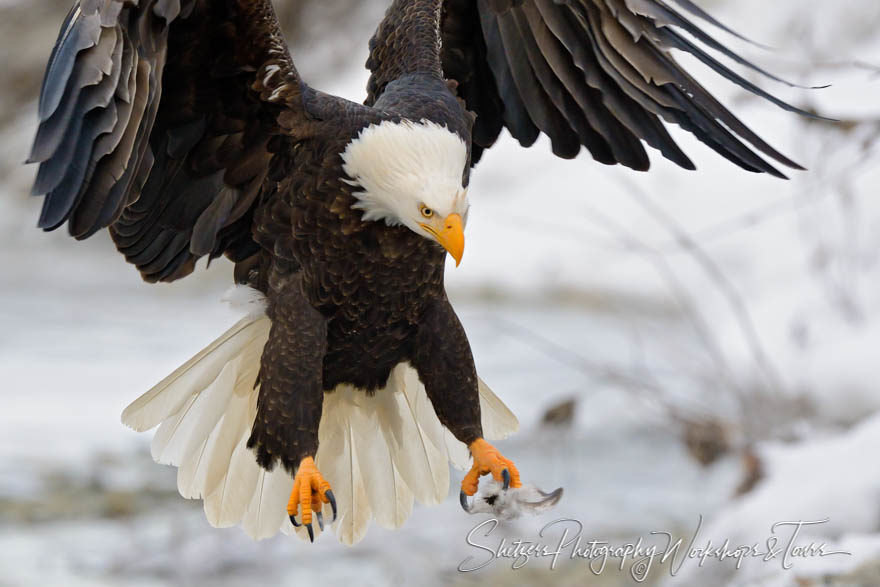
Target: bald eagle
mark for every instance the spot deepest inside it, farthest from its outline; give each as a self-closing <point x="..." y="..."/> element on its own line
<point x="183" y="127"/>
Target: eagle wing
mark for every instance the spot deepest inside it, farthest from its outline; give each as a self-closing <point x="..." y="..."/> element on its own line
<point x="597" y="73"/>
<point x="157" y="119"/>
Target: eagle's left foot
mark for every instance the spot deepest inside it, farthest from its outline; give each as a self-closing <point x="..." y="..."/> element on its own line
<point x="487" y="459"/>
<point x="310" y="489"/>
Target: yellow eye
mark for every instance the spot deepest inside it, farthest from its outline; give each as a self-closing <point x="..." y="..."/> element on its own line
<point x="426" y="212"/>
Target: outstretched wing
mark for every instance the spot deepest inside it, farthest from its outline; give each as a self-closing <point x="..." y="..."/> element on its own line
<point x="156" y="119"/>
<point x="596" y="73"/>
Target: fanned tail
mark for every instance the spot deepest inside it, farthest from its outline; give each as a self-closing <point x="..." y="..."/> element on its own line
<point x="205" y="411"/>
<point x="379" y="452"/>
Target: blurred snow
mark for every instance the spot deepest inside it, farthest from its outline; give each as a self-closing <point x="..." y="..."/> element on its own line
<point x="813" y="481"/>
<point x="653" y="299"/>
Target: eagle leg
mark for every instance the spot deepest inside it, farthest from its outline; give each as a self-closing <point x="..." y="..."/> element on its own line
<point x="291" y="397"/>
<point x="445" y="365"/>
<point x="310" y="489"/>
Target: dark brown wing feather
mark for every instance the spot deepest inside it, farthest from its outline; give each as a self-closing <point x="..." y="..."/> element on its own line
<point x="596" y="73"/>
<point x="155" y="120"/>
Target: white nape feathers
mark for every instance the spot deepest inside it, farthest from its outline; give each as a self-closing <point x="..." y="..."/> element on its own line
<point x="402" y="166"/>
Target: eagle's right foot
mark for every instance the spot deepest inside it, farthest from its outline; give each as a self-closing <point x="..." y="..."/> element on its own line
<point x="310" y="489"/>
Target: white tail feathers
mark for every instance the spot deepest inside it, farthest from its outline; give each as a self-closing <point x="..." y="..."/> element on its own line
<point x="379" y="453"/>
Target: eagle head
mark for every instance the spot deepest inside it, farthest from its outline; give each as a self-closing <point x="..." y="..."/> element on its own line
<point x="411" y="174"/>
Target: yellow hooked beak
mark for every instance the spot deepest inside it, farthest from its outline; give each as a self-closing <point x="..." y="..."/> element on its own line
<point x="450" y="236"/>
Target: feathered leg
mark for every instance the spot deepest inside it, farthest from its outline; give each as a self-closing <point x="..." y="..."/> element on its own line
<point x="445" y="365"/>
<point x="291" y="397"/>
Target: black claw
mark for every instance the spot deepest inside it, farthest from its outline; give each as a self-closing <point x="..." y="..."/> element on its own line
<point x="505" y="475"/>
<point x="462" y="498"/>
<point x="294" y="522"/>
<point x="332" y="499"/>
<point x="311" y="532"/>
<point x="320" y="517"/>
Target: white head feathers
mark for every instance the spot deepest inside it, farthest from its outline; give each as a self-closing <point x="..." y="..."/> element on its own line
<point x="401" y="167"/>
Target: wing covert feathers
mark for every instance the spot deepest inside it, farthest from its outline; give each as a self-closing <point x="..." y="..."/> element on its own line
<point x="154" y="120"/>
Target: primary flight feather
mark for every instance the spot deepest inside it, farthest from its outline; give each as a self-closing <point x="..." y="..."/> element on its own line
<point x="184" y="127"/>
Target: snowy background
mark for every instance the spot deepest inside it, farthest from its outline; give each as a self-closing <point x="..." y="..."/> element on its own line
<point x="675" y="344"/>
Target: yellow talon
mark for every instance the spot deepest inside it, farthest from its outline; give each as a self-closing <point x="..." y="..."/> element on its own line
<point x="310" y="489"/>
<point x="487" y="459"/>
